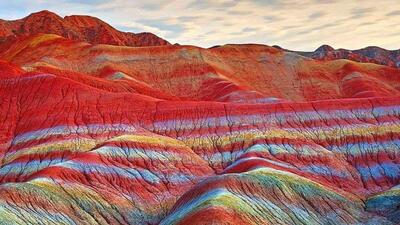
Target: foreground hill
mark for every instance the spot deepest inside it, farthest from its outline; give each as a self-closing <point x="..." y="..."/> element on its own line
<point x="80" y="28"/>
<point x="237" y="134"/>
<point x="74" y="153"/>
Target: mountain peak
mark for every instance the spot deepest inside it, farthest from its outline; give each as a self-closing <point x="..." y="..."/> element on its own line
<point x="85" y="21"/>
<point x="77" y="27"/>
<point x="324" y="48"/>
<point x="44" y="14"/>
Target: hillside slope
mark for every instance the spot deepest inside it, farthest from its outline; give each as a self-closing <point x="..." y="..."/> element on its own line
<point x="230" y="73"/>
<point x="79" y="28"/>
<point x="236" y="134"/>
<point x="74" y="152"/>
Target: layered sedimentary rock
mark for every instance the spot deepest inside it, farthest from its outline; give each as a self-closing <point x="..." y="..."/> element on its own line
<point x="238" y="134"/>
<point x="80" y="28"/>
<point x="230" y="73"/>
<point x="370" y="54"/>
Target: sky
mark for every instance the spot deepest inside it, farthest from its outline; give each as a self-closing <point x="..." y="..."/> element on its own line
<point x="301" y="25"/>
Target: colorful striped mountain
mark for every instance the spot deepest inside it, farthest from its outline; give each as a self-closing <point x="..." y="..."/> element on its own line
<point x="79" y="28"/>
<point x="96" y="133"/>
<point x="371" y="54"/>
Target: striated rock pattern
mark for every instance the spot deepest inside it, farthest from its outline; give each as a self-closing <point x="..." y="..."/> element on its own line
<point x="370" y="54"/>
<point x="237" y="134"/>
<point x="231" y="73"/>
<point x="79" y="28"/>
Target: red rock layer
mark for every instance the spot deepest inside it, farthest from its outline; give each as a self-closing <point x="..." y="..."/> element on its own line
<point x="231" y="73"/>
<point x="79" y="28"/>
<point x="238" y="134"/>
<point x="79" y="153"/>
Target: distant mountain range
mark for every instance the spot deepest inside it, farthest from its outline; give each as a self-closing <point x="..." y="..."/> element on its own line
<point x="370" y="54"/>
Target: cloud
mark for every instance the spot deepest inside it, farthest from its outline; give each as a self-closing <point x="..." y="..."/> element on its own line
<point x="325" y="1"/>
<point x="366" y="24"/>
<point x="185" y="19"/>
<point x="207" y="4"/>
<point x="155" y="5"/>
<point x="394" y="13"/>
<point x="272" y="19"/>
<point x="292" y="24"/>
<point x="316" y="15"/>
<point x="361" y="12"/>
<point x="171" y="29"/>
<point x="87" y="2"/>
<point x="239" y="12"/>
<point x="249" y="29"/>
<point x="272" y="3"/>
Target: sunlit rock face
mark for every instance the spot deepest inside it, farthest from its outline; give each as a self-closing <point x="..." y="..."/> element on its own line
<point x="79" y="28"/>
<point x="236" y="134"/>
